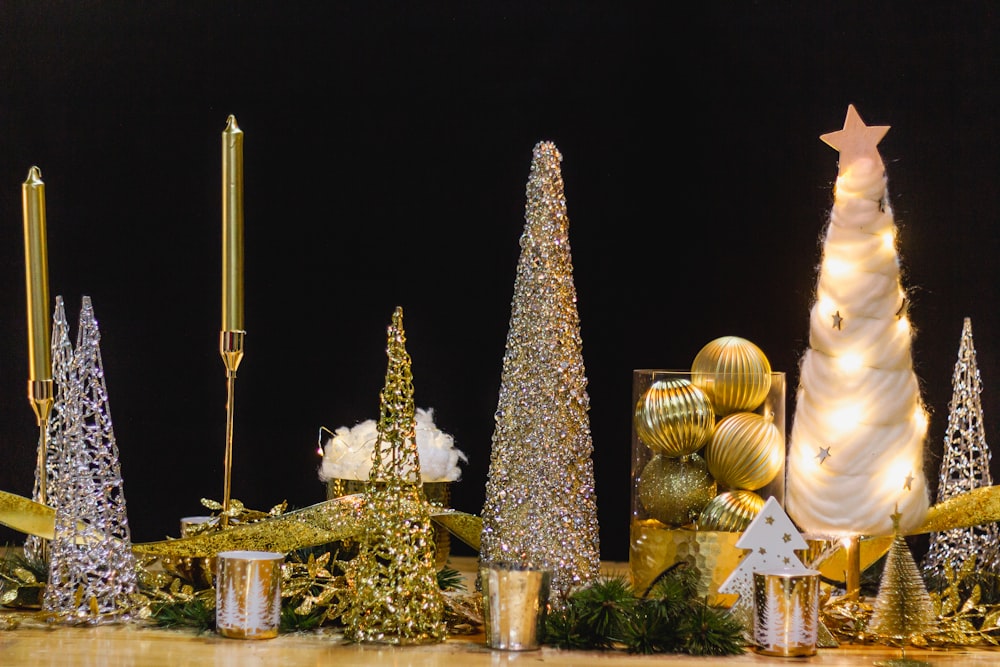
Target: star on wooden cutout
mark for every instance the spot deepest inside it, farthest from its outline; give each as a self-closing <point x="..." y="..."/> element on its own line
<point x="786" y="537"/>
<point x="824" y="454"/>
<point x="837" y="321"/>
<point x="762" y="551"/>
<point x="769" y="520"/>
<point x="856" y="140"/>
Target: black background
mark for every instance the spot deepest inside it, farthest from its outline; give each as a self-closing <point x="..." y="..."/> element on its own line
<point x="386" y="154"/>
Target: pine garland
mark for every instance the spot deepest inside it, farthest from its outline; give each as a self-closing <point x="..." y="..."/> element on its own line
<point x="668" y="619"/>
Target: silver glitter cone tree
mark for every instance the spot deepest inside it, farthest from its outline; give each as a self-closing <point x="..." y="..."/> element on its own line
<point x="63" y="376"/>
<point x="965" y="465"/>
<point x="540" y="506"/>
<point x="397" y="599"/>
<point x="92" y="571"/>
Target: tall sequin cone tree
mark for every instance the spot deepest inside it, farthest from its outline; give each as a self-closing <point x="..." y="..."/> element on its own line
<point x="92" y="572"/>
<point x="397" y="598"/>
<point x="540" y="506"/>
<point x="965" y="465"/>
<point x="859" y="424"/>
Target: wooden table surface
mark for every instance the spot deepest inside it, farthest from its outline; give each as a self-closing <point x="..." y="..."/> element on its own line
<point x="132" y="645"/>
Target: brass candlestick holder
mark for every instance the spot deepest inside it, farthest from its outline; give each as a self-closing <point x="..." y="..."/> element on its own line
<point x="231" y="349"/>
<point x="41" y="397"/>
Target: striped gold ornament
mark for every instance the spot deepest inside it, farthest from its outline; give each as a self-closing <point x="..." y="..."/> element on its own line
<point x="734" y="373"/>
<point x="745" y="452"/>
<point x="674" y="417"/>
<point x="731" y="511"/>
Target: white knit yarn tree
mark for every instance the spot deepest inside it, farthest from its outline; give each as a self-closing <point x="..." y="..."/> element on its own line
<point x="857" y="439"/>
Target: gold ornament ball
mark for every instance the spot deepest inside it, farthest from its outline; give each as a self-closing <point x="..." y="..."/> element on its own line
<point x="675" y="490"/>
<point x="674" y="417"/>
<point x="746" y="451"/>
<point x="734" y="373"/>
<point x="731" y="511"/>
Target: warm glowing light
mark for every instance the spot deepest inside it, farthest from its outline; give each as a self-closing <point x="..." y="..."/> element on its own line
<point x="837" y="267"/>
<point x="846" y="417"/>
<point x="850" y="362"/>
<point x="903" y="324"/>
<point x="825" y="305"/>
<point x="920" y="416"/>
<point x="889" y="240"/>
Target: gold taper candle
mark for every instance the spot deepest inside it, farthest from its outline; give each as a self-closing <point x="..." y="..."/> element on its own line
<point x="232" y="333"/>
<point x="36" y="265"/>
<point x="232" y="226"/>
<point x="36" y="277"/>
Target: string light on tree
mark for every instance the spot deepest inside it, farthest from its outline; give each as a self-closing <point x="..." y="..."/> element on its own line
<point x="859" y="424"/>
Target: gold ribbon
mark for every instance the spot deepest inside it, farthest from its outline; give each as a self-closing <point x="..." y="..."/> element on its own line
<point x="341" y="518"/>
<point x="324" y="522"/>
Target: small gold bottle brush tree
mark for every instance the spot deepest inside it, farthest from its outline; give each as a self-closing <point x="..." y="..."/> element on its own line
<point x="232" y="334"/>
<point x="40" y="385"/>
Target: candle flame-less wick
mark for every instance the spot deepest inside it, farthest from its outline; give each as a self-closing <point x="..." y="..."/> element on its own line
<point x="34" y="176"/>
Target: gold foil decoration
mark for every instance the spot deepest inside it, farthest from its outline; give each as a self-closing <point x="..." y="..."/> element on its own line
<point x="712" y="554"/>
<point x="730" y="511"/>
<point x="745" y="452"/>
<point x="734" y="373"/>
<point x="674" y="417"/>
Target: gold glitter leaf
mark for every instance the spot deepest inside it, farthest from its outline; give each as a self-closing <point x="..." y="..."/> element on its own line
<point x="25" y="576"/>
<point x="991" y="621"/>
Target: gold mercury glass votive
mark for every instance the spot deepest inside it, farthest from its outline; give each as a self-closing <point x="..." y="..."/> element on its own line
<point x="248" y="594"/>
<point x="691" y="499"/>
<point x="515" y="600"/>
<point x="437" y="493"/>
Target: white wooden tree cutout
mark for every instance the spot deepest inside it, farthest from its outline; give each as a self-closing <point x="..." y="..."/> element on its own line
<point x="771" y="540"/>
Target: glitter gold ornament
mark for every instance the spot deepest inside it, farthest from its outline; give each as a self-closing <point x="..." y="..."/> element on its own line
<point x="730" y="511"/>
<point x="734" y="373"/>
<point x="674" y="417"/>
<point x="674" y="490"/>
<point x="746" y="451"/>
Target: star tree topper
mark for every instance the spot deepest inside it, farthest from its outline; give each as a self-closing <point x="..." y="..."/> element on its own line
<point x="856" y="141"/>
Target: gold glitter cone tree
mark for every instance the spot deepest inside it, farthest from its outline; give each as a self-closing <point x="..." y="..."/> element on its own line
<point x="396" y="595"/>
<point x="92" y="571"/>
<point x="540" y="506"/>
<point x="903" y="607"/>
<point x="965" y="465"/>
<point x="859" y="424"/>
